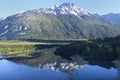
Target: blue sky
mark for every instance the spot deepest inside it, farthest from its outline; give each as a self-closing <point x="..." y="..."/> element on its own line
<point x="9" y="7"/>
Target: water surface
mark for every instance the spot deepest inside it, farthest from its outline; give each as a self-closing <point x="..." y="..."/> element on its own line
<point x="51" y="67"/>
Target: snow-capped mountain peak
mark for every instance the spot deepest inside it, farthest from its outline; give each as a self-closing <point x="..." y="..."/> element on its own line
<point x="54" y="7"/>
<point x="67" y="4"/>
<point x="65" y="8"/>
<point x="70" y="8"/>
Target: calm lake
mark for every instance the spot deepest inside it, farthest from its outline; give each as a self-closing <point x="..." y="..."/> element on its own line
<point x="51" y="67"/>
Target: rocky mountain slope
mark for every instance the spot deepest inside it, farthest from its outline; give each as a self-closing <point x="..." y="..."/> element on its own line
<point x="66" y="21"/>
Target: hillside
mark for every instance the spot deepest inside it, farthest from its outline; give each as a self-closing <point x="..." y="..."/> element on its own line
<point x="66" y="21"/>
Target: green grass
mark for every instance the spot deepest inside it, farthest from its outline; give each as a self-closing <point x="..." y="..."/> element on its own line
<point x="15" y="47"/>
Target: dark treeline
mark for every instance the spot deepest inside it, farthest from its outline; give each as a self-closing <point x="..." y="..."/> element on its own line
<point x="48" y="41"/>
<point x="108" y="49"/>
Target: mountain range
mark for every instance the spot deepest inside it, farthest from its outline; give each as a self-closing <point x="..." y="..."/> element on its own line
<point x="66" y="21"/>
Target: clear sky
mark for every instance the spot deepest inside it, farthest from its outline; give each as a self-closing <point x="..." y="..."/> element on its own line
<point x="9" y="7"/>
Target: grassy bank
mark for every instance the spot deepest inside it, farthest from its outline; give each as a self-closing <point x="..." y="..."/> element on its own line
<point x="24" y="49"/>
<point x="10" y="47"/>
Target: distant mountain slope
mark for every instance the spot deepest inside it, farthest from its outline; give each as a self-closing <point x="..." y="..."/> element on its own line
<point x="66" y="21"/>
<point x="112" y="16"/>
<point x="0" y="19"/>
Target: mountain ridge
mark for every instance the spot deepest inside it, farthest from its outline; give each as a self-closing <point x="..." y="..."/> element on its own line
<point x="66" y="21"/>
<point x="65" y="8"/>
<point x="112" y="16"/>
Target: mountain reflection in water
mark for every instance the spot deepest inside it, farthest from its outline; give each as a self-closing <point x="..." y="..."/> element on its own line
<point x="48" y="60"/>
<point x="51" y="67"/>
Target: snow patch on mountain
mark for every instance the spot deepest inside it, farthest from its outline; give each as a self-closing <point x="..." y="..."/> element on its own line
<point x="4" y="33"/>
<point x="3" y="18"/>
